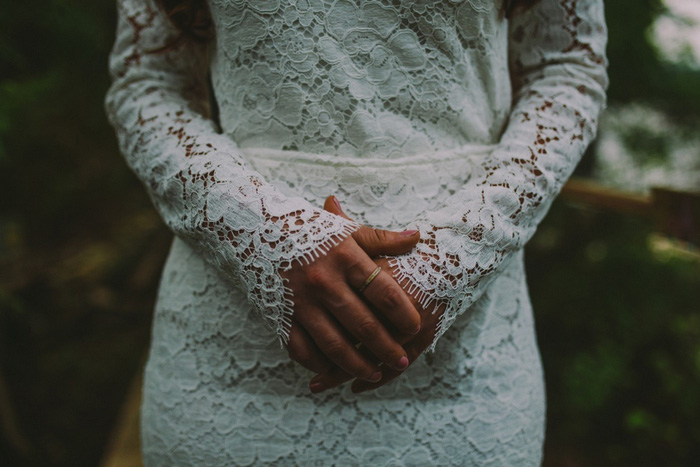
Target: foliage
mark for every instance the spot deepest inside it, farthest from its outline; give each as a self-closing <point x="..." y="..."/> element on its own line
<point x="54" y="141"/>
<point x="640" y="147"/>
<point x="620" y="338"/>
<point x="636" y="71"/>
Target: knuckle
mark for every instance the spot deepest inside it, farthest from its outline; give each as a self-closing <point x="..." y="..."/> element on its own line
<point x="381" y="236"/>
<point x="367" y="329"/>
<point x="341" y="305"/>
<point x="360" y="236"/>
<point x="315" y="277"/>
<point x="391" y="298"/>
<point x="334" y="349"/>
<point x="348" y="257"/>
<point x="337" y="302"/>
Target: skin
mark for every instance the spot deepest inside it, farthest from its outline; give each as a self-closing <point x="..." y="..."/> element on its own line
<point x="413" y="344"/>
<point x="331" y="318"/>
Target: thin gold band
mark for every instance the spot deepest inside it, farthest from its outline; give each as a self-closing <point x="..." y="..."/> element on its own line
<point x="371" y="277"/>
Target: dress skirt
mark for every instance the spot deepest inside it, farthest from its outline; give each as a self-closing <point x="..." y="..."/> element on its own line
<point x="219" y="389"/>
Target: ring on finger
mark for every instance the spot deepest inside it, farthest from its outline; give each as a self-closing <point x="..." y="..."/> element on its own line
<point x="371" y="277"/>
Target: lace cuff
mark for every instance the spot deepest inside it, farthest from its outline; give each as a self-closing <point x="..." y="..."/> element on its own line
<point x="557" y="64"/>
<point x="198" y="180"/>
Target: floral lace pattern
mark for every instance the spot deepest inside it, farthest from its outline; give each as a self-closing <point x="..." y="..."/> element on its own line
<point x="218" y="391"/>
<point x="373" y="79"/>
<point x="403" y="110"/>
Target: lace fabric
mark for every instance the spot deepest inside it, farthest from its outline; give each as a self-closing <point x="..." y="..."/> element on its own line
<point x="380" y="98"/>
<point x="218" y="391"/>
<point x="373" y="79"/>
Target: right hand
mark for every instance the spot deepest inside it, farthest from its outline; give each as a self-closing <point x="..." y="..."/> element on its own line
<point x="413" y="345"/>
<point x="330" y="317"/>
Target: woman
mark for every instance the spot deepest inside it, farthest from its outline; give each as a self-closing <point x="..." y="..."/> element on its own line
<point x="459" y="118"/>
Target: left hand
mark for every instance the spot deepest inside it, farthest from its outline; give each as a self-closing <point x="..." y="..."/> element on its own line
<point x="413" y="345"/>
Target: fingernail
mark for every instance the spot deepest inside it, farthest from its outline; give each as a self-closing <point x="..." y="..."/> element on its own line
<point x="376" y="376"/>
<point x="416" y="331"/>
<point x="317" y="387"/>
<point x="337" y="204"/>
<point x="403" y="364"/>
<point x="408" y="233"/>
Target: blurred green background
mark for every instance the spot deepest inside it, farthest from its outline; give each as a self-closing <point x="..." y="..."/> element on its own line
<point x="81" y="249"/>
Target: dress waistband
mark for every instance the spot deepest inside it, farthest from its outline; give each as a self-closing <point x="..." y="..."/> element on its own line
<point x="386" y="193"/>
<point x="300" y="157"/>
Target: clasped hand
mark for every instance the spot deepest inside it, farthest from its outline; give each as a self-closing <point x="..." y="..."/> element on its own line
<point x="340" y="334"/>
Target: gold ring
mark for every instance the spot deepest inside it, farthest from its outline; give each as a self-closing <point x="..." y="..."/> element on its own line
<point x="371" y="277"/>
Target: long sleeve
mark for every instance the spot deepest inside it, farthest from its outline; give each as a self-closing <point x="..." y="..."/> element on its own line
<point x="557" y="64"/>
<point x="197" y="178"/>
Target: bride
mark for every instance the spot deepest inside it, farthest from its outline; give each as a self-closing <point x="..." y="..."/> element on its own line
<point x="444" y="129"/>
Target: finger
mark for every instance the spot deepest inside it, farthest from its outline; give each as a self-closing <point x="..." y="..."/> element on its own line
<point x="413" y="349"/>
<point x="377" y="242"/>
<point x="302" y="350"/>
<point x="329" y="379"/>
<point x="354" y="316"/>
<point x="332" y="205"/>
<point x="336" y="347"/>
<point x="358" y="386"/>
<point x="335" y="376"/>
<point x="386" y="296"/>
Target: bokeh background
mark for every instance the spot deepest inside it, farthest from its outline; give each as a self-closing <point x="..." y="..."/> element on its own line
<point x="617" y="301"/>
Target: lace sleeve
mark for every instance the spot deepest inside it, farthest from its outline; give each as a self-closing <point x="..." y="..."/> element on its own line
<point x="558" y="74"/>
<point x="197" y="179"/>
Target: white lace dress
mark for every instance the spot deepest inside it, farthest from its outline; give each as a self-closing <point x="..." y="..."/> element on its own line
<point x="439" y="115"/>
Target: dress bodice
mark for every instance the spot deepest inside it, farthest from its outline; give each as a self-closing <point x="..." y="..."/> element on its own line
<point x="379" y="79"/>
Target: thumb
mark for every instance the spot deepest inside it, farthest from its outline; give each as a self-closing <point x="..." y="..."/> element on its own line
<point x="333" y="206"/>
<point x="377" y="242"/>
